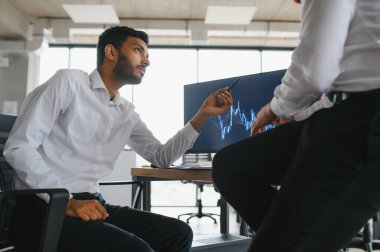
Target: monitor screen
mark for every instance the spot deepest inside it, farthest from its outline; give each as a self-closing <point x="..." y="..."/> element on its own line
<point x="250" y="94"/>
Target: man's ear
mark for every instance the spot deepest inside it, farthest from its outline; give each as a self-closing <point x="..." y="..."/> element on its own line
<point x="110" y="52"/>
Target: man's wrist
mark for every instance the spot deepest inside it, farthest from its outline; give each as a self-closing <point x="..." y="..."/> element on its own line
<point x="194" y="127"/>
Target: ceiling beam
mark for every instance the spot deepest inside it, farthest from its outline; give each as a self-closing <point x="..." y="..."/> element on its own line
<point x="60" y="28"/>
<point x="184" y="32"/>
<point x="13" y="22"/>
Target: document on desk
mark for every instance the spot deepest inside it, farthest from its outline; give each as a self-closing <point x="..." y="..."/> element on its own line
<point x="192" y="167"/>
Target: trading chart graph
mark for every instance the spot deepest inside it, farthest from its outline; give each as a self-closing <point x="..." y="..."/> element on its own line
<point x="236" y="119"/>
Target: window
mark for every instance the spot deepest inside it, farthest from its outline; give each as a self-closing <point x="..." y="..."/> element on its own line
<point x="219" y="64"/>
<point x="159" y="98"/>
<point x="275" y="60"/>
<point x="83" y="58"/>
<point x="52" y="60"/>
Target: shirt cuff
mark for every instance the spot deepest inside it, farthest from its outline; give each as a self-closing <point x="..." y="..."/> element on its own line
<point x="189" y="131"/>
<point x="276" y="108"/>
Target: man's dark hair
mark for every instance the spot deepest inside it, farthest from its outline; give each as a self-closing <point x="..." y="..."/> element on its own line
<point x="116" y="36"/>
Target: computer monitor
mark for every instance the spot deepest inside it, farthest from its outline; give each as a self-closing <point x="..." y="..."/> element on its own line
<point x="250" y="94"/>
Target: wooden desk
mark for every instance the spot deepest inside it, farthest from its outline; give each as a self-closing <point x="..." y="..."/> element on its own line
<point x="146" y="174"/>
<point x="176" y="174"/>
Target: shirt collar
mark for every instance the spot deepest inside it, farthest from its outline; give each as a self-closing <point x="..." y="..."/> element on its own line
<point x="118" y="100"/>
<point x="96" y="80"/>
<point x="97" y="83"/>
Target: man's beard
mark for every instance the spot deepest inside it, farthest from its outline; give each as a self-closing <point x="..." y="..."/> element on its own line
<point x="124" y="71"/>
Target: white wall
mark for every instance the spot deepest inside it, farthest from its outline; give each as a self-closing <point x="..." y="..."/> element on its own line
<point x="13" y="78"/>
<point x="120" y="194"/>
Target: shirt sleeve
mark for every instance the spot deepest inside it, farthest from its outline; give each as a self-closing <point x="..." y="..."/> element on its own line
<point x="146" y="145"/>
<point x="316" y="60"/>
<point x="33" y="124"/>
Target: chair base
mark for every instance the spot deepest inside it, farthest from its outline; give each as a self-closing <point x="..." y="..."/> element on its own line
<point x="199" y="215"/>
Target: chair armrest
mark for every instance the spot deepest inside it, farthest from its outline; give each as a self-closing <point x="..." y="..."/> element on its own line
<point x="55" y="215"/>
<point x="136" y="198"/>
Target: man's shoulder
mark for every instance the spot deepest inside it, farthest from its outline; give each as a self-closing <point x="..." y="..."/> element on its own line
<point x="71" y="78"/>
<point x="72" y="73"/>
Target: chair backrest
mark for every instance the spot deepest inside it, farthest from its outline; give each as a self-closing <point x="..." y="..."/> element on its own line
<point x="7" y="204"/>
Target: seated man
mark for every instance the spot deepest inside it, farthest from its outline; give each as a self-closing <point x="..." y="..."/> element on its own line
<point x="69" y="133"/>
<point x="326" y="168"/>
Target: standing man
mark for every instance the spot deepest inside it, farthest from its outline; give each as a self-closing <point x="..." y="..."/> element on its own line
<point x="327" y="165"/>
<point x="69" y="133"/>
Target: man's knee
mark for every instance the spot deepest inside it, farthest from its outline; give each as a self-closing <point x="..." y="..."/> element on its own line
<point x="181" y="236"/>
<point x="220" y="174"/>
<point x="184" y="231"/>
<point x="217" y="166"/>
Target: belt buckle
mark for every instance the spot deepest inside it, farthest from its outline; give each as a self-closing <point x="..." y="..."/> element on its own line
<point x="338" y="97"/>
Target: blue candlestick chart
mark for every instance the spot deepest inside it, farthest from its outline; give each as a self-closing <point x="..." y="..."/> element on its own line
<point x="235" y="118"/>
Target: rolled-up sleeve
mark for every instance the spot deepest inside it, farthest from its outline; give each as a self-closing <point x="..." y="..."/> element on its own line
<point x="162" y="155"/>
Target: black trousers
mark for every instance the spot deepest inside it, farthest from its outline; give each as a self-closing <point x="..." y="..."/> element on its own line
<point x="126" y="229"/>
<point x="328" y="169"/>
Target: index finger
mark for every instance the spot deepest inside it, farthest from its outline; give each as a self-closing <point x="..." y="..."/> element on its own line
<point x="255" y="129"/>
<point x="225" y="98"/>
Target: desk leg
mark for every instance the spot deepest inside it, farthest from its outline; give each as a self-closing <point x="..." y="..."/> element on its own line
<point x="134" y="191"/>
<point x="144" y="201"/>
<point x="224" y="216"/>
<point x="146" y="195"/>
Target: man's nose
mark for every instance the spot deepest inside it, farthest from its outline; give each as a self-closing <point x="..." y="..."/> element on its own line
<point x="146" y="61"/>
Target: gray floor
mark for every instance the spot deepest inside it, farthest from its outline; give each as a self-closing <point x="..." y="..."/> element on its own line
<point x="180" y="194"/>
<point x="204" y="225"/>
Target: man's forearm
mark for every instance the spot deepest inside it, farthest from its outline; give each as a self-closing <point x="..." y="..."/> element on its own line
<point x="198" y="120"/>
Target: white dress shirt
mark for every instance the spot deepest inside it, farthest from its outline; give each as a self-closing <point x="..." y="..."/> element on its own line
<point x="339" y="50"/>
<point x="69" y="134"/>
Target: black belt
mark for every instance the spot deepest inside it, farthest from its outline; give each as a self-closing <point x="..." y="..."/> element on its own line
<point x="337" y="97"/>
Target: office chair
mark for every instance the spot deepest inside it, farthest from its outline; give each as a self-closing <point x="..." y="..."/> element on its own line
<point x="56" y="208"/>
<point x="197" y="158"/>
<point x="200" y="213"/>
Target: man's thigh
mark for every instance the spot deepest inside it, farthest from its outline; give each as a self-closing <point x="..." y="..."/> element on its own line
<point x="98" y="236"/>
<point x="162" y="233"/>
<point x="76" y="235"/>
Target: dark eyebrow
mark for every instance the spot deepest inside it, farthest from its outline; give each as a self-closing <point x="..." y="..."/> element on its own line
<point x="143" y="49"/>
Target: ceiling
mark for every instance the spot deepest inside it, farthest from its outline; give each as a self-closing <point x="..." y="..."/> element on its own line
<point x="169" y="22"/>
